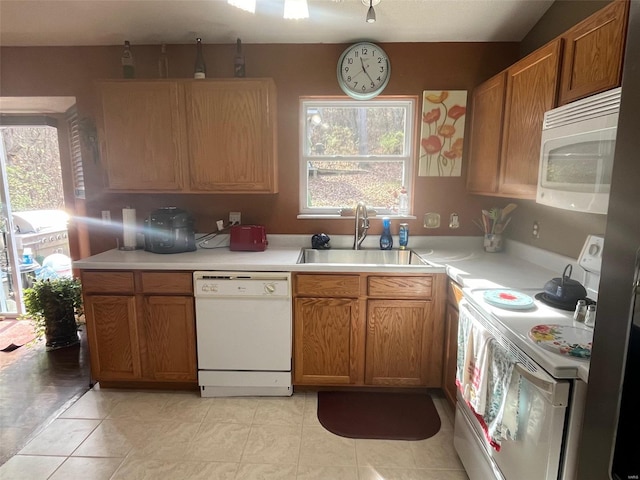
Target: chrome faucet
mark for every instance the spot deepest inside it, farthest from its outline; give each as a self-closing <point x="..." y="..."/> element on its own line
<point x="362" y="225"/>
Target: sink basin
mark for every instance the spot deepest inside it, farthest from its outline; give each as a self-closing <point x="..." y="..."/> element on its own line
<point x="361" y="257"/>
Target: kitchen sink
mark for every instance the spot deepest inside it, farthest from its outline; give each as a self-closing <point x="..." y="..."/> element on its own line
<point x="362" y="257"/>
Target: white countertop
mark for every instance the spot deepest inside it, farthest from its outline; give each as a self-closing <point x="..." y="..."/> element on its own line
<point x="462" y="258"/>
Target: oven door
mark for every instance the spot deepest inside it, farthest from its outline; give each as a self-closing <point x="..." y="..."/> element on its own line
<point x="536" y="452"/>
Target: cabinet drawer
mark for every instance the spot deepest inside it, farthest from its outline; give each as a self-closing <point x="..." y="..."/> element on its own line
<point x="327" y="285"/>
<point x="400" y="287"/>
<point x="167" y="282"/>
<point x="107" y="282"/>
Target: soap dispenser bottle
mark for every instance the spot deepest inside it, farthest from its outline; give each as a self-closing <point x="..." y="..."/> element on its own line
<point x="386" y="240"/>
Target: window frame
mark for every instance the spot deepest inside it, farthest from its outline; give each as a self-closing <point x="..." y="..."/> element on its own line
<point x="408" y="159"/>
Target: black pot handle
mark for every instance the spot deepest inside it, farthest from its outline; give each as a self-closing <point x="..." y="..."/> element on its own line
<point x="564" y="273"/>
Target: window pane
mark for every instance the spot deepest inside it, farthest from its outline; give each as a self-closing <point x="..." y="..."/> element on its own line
<point x="356" y="131"/>
<point x="340" y="184"/>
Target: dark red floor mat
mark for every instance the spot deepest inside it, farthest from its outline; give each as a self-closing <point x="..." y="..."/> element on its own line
<point x="389" y="416"/>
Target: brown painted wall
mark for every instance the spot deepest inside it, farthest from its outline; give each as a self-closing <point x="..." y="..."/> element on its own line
<point x="298" y="70"/>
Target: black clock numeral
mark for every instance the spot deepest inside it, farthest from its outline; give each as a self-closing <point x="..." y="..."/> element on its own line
<point x="373" y="84"/>
<point x="381" y="69"/>
<point x="364" y="51"/>
<point x="349" y="78"/>
<point x="346" y="69"/>
<point x="379" y="79"/>
<point x="356" y="54"/>
<point x="364" y="89"/>
<point x="350" y="61"/>
<point x="355" y="84"/>
<point x="379" y="59"/>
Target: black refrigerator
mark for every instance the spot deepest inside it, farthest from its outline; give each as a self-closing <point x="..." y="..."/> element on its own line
<point x="610" y="440"/>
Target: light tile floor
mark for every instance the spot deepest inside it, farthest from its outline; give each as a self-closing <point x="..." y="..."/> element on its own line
<point x="120" y="435"/>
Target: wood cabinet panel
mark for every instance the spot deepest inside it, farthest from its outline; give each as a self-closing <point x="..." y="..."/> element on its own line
<point x="326" y="334"/>
<point x="140" y="130"/>
<point x="532" y="85"/>
<point x="400" y="287"/>
<point x="593" y="53"/>
<point x="327" y="285"/>
<point x="169" y="333"/>
<point x="487" y="107"/>
<point x="397" y="343"/>
<point x="450" y="354"/>
<point x="231" y="135"/>
<point x="113" y="336"/>
<point x="107" y="282"/>
<point x="167" y="282"/>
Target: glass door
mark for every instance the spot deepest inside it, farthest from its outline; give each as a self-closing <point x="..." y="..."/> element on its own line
<point x="31" y="197"/>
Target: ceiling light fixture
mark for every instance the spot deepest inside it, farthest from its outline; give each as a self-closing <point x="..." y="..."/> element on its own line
<point x="371" y="13"/>
<point x="296" y="9"/>
<point x="247" y="5"/>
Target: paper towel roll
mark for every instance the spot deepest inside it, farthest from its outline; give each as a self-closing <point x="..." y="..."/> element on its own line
<point x="129" y="228"/>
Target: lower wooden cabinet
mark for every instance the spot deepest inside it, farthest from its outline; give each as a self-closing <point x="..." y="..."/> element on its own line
<point x="141" y="327"/>
<point x="454" y="295"/>
<point x="366" y="329"/>
<point x="326" y="341"/>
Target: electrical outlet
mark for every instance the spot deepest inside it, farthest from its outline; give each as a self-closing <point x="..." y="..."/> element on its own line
<point x="234" y="218"/>
<point x="106" y="216"/>
<point x="535" y="229"/>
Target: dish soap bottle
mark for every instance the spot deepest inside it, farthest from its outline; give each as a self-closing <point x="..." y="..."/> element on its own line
<point x="386" y="240"/>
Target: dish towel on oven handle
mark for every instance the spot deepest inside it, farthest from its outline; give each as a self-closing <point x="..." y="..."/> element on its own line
<point x="503" y="392"/>
<point x="472" y="365"/>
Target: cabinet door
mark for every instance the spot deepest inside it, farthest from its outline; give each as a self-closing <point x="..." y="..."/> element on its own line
<point x="450" y="354"/>
<point x="141" y="134"/>
<point x="231" y="132"/>
<point x="400" y="344"/>
<point x="532" y="85"/>
<point x="593" y="52"/>
<point x="170" y="338"/>
<point x="487" y="107"/>
<point x="113" y="337"/>
<point x="327" y="341"/>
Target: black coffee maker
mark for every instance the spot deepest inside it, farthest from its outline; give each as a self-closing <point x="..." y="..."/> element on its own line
<point x="169" y="230"/>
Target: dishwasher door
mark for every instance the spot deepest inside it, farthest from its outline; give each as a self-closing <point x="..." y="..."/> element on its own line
<point x="244" y="332"/>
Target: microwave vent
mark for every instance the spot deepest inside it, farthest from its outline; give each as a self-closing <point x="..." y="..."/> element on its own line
<point x="601" y="104"/>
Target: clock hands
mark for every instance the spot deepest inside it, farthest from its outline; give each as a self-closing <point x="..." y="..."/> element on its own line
<point x="364" y="69"/>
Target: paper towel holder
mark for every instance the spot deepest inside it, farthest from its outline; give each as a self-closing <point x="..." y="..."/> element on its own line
<point x="129" y="230"/>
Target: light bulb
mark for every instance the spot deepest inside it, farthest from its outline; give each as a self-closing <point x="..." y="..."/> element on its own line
<point x="247" y="5"/>
<point x="371" y="13"/>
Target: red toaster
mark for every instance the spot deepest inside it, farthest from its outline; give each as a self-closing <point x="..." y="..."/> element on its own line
<point x="252" y="238"/>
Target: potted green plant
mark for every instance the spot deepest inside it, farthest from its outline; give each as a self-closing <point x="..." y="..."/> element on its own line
<point x="54" y="306"/>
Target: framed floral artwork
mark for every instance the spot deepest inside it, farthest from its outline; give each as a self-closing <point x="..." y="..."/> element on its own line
<point x="442" y="133"/>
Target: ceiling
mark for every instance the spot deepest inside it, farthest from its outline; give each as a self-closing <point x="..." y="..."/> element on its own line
<point x="110" y="22"/>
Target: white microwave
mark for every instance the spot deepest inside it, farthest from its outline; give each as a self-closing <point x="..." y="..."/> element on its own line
<point x="576" y="155"/>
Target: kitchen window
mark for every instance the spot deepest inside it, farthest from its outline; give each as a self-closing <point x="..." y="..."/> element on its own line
<point x="354" y="151"/>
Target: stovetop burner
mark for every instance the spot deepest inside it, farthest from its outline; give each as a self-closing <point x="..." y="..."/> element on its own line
<point x="547" y="300"/>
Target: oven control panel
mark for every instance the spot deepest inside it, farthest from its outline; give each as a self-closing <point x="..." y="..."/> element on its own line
<point x="591" y="255"/>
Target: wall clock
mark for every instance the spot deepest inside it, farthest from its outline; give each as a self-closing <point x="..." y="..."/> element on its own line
<point x="363" y="70"/>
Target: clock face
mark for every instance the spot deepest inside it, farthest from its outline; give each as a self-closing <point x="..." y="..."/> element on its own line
<point x="363" y="70"/>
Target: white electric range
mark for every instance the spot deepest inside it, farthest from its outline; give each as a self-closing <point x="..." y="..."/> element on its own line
<point x="551" y="386"/>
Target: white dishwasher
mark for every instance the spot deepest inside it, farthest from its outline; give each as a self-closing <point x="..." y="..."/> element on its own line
<point x="243" y="329"/>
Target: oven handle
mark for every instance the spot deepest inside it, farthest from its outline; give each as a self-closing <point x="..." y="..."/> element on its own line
<point x="541" y="383"/>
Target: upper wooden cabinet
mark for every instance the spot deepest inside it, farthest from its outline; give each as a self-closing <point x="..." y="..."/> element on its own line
<point x="487" y="105"/>
<point x="230" y="130"/>
<point x="140" y="135"/>
<point x="532" y="85"/>
<point x="593" y="52"/>
<point x="506" y="125"/>
<point x="189" y="136"/>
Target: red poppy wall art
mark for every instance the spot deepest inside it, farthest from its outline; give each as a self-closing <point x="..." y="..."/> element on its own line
<point x="442" y="134"/>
